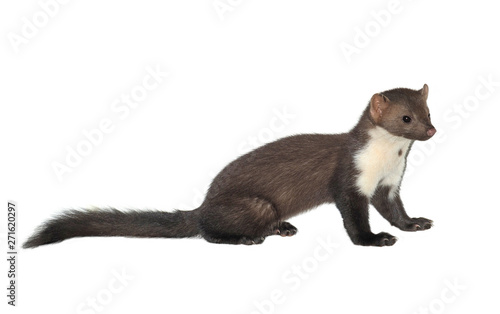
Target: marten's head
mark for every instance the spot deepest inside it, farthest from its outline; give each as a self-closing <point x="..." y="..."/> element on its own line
<point x="403" y="112"/>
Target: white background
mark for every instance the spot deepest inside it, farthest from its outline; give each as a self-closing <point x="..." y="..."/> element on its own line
<point x="229" y="72"/>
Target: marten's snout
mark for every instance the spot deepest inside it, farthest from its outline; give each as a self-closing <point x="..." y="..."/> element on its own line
<point x="431" y="132"/>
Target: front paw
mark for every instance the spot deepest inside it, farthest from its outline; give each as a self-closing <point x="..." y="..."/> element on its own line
<point x="416" y="224"/>
<point x="379" y="239"/>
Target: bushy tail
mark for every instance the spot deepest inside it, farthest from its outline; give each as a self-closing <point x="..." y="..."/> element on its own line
<point x="115" y="223"/>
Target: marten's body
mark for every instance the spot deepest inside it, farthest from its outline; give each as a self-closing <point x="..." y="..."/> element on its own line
<point x="252" y="197"/>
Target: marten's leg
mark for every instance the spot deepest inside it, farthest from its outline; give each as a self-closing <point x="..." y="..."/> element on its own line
<point x="354" y="210"/>
<point x="389" y="205"/>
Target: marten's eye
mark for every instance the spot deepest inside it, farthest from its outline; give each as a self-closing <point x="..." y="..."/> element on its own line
<point x="429" y="115"/>
<point x="406" y="119"/>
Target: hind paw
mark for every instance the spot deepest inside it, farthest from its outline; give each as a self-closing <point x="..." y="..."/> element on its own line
<point x="285" y="229"/>
<point x="234" y="240"/>
<point x="251" y="241"/>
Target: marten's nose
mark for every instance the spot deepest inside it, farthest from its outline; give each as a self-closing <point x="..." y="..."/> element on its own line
<point x="431" y="132"/>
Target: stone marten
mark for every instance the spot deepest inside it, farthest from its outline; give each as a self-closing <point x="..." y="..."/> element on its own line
<point x="253" y="196"/>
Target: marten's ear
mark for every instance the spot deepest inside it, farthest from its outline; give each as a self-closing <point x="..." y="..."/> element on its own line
<point x="424" y="91"/>
<point x="378" y="104"/>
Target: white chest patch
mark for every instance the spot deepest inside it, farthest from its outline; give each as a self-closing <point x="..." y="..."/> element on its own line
<point x="381" y="161"/>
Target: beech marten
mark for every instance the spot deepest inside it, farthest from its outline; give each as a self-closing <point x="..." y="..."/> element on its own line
<point x="253" y="196"/>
